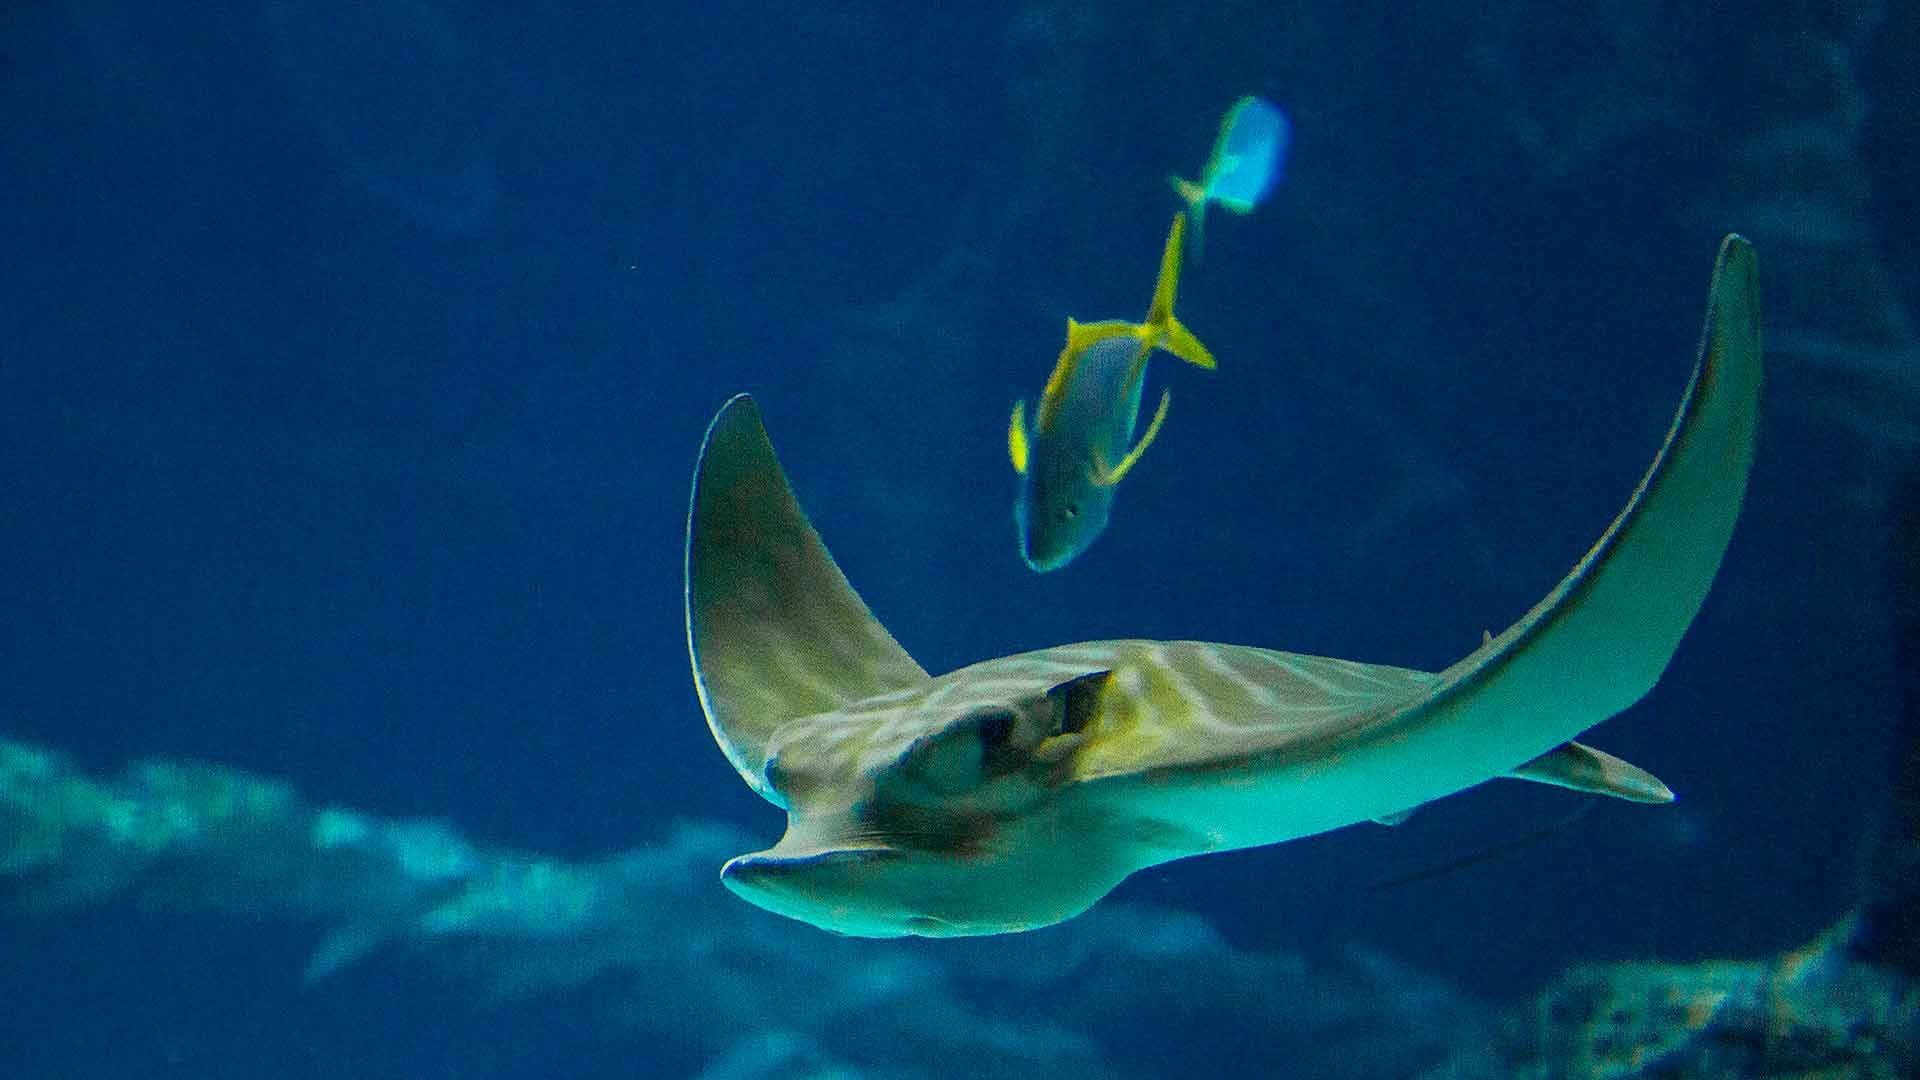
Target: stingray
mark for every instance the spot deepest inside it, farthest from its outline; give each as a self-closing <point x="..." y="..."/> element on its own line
<point x="1016" y="792"/>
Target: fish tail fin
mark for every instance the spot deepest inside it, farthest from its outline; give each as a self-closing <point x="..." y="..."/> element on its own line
<point x="1162" y="330"/>
<point x="1177" y="340"/>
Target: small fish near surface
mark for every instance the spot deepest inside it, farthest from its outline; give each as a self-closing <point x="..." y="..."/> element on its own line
<point x="1080" y="444"/>
<point x="1016" y="792"/>
<point x="1249" y="157"/>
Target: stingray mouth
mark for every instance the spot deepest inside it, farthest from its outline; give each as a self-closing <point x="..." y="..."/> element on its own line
<point x="840" y="890"/>
<point x="767" y="869"/>
<point x="864" y="892"/>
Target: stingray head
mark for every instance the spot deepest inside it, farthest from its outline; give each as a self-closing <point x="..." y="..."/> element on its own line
<point x="925" y="814"/>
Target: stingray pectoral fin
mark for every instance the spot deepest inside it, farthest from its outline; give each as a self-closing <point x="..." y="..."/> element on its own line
<point x="773" y="628"/>
<point x="1603" y="636"/>
<point x="1107" y="476"/>
<point x="1578" y="767"/>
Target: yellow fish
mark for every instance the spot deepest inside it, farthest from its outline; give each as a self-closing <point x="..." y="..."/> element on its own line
<point x="1081" y="442"/>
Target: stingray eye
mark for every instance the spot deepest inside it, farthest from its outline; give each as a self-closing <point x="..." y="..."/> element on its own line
<point x="995" y="729"/>
<point x="956" y="758"/>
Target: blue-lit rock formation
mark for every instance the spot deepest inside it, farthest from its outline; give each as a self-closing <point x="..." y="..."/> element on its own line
<point x="652" y="941"/>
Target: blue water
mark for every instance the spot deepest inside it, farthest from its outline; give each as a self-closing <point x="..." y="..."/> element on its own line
<point x="352" y="366"/>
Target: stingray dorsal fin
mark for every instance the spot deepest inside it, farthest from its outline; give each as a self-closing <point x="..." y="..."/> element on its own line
<point x="1601" y="639"/>
<point x="773" y="628"/>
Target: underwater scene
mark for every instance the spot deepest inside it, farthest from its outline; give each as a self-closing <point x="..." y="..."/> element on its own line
<point x="1032" y="538"/>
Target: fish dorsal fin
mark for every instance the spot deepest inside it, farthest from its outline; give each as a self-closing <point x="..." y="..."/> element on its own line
<point x="773" y="628"/>
<point x="1578" y="767"/>
<point x="1601" y="639"/>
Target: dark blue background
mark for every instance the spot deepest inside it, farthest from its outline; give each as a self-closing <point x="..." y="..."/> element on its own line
<point x="352" y="364"/>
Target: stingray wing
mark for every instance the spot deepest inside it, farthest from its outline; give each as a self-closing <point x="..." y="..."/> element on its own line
<point x="773" y="628"/>
<point x="1601" y="639"/>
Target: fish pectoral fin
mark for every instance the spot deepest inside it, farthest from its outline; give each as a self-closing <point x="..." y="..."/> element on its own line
<point x="1190" y="192"/>
<point x="1399" y="818"/>
<point x="1579" y="767"/>
<point x="1107" y="476"/>
<point x="1017" y="449"/>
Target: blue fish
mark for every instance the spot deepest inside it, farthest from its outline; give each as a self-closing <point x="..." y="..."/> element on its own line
<point x="1249" y="157"/>
<point x="1080" y="444"/>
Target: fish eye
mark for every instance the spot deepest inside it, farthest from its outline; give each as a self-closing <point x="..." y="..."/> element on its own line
<point x="1071" y="511"/>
